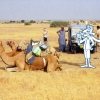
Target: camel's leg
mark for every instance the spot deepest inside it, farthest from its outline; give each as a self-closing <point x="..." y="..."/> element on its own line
<point x="59" y="67"/>
<point x="27" y="67"/>
<point x="20" y="64"/>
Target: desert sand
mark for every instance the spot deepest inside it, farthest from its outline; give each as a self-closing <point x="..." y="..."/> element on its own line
<point x="72" y="83"/>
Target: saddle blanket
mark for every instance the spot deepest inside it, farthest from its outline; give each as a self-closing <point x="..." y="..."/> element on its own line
<point x="32" y="52"/>
<point x="29" y="55"/>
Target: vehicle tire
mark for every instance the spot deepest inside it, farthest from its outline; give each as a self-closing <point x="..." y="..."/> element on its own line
<point x="73" y="50"/>
<point x="94" y="50"/>
<point x="69" y="48"/>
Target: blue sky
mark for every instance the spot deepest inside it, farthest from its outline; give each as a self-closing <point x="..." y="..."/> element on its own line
<point x="49" y="9"/>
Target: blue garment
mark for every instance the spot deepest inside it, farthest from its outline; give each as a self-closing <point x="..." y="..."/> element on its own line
<point x="61" y="40"/>
<point x="62" y="48"/>
<point x="43" y="44"/>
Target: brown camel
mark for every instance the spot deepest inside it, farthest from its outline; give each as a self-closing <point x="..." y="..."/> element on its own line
<point x="52" y="63"/>
<point x="11" y="44"/>
<point x="16" y="51"/>
<point x="13" y="47"/>
<point x="20" y="63"/>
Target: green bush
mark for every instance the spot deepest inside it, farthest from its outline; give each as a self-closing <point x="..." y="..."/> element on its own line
<point x="32" y="21"/>
<point x="27" y="23"/>
<point x="22" y="21"/>
<point x="59" y="24"/>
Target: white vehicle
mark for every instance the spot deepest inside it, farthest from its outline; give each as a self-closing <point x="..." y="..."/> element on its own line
<point x="73" y="43"/>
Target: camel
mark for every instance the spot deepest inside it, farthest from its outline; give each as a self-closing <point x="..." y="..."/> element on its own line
<point x="53" y="66"/>
<point x="20" y="63"/>
<point x="16" y="50"/>
<point x="11" y="44"/>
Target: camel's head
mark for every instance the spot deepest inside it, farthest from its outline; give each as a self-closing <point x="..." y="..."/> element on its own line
<point x="11" y="44"/>
<point x="53" y="63"/>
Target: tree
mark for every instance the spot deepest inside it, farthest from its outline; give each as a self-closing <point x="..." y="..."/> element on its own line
<point x="22" y="21"/>
<point x="59" y="23"/>
<point x="31" y="21"/>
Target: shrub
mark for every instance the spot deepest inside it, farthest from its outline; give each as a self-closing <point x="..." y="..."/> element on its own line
<point x="22" y="21"/>
<point x="32" y="21"/>
<point x="59" y="24"/>
<point x="27" y="23"/>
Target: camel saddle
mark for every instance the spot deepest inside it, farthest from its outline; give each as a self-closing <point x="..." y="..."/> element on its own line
<point x="35" y="51"/>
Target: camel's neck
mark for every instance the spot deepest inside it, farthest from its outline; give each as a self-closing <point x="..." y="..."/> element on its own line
<point x="10" y="54"/>
<point x="14" y="48"/>
<point x="6" y="59"/>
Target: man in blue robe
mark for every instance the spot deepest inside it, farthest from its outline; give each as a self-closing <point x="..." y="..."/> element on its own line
<point x="62" y="39"/>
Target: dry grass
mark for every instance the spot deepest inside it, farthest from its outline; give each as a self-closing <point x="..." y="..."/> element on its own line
<point x="72" y="83"/>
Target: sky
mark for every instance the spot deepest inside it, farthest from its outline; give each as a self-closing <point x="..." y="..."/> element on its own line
<point x="49" y="9"/>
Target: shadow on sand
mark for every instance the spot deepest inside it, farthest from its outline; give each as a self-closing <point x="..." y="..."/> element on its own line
<point x="70" y="63"/>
